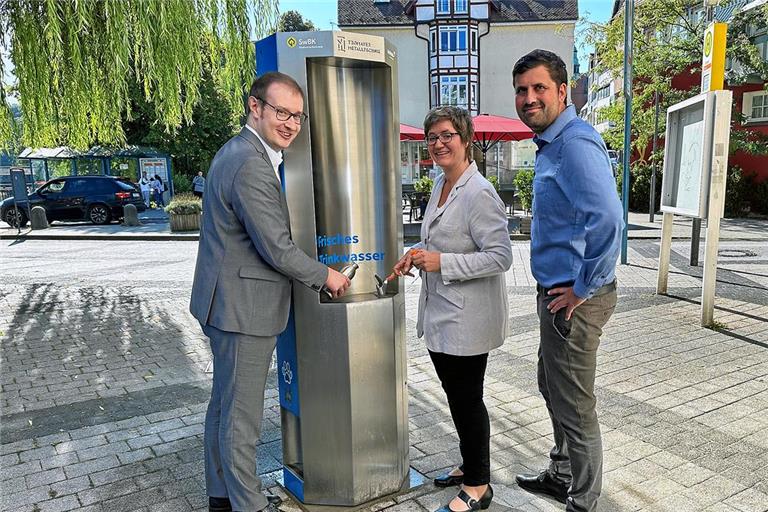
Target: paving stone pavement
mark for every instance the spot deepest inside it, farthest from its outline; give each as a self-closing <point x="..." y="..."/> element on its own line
<point x="104" y="386"/>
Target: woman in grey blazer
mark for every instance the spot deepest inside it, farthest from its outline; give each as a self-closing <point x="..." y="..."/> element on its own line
<point x="463" y="311"/>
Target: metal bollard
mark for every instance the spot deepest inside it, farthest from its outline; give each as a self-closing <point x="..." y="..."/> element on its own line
<point x="130" y="216"/>
<point x="39" y="220"/>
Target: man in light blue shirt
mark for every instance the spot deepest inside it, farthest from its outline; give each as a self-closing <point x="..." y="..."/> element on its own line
<point x="575" y="233"/>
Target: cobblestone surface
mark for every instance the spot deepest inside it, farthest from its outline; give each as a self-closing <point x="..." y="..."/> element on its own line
<point x="104" y="386"/>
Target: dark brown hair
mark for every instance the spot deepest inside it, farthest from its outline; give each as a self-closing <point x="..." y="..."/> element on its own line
<point x="536" y="58"/>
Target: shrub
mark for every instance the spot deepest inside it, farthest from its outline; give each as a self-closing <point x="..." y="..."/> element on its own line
<point x="640" y="186"/>
<point x="184" y="204"/>
<point x="758" y="196"/>
<point x="737" y="187"/>
<point x="181" y="183"/>
<point x="494" y="181"/>
<point x="424" y="184"/>
<point x="524" y="184"/>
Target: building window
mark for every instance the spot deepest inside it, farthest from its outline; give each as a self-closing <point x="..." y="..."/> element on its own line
<point x="755" y="105"/>
<point x="443" y="6"/>
<point x="460" y="6"/>
<point x="453" y="91"/>
<point x="474" y="41"/>
<point x="601" y="93"/>
<point x="762" y="47"/>
<point x="434" y="42"/>
<point x="453" y="39"/>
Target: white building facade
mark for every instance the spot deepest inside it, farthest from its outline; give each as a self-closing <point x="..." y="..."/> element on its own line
<point x="461" y="52"/>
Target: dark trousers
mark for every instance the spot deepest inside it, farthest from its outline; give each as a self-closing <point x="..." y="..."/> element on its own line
<point x="566" y="376"/>
<point x="462" y="380"/>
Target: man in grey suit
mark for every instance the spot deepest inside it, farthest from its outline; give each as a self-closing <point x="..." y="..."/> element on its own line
<point x="246" y="263"/>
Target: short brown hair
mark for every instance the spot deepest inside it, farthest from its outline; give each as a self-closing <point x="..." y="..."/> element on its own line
<point x="260" y="86"/>
<point x="459" y="117"/>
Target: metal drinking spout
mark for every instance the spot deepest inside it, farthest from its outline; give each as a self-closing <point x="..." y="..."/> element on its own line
<point x="381" y="284"/>
<point x="349" y="271"/>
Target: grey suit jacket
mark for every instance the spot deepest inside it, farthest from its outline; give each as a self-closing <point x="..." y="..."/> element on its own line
<point x="246" y="258"/>
<point x="463" y="308"/>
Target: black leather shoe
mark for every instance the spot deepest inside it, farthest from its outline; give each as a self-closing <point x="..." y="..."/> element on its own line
<point x="543" y="484"/>
<point x="224" y="505"/>
<point x="274" y="499"/>
<point x="219" y="504"/>
<point x="449" y="480"/>
<point x="483" y="503"/>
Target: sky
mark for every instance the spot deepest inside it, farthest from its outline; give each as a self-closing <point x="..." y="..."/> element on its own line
<point x="323" y="14"/>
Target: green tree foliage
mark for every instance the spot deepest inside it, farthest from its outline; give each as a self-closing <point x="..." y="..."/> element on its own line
<point x="524" y="184"/>
<point x="194" y="144"/>
<point x="293" y="21"/>
<point x="667" y="42"/>
<point x="75" y="61"/>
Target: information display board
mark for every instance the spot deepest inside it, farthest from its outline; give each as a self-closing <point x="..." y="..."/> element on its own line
<point x="154" y="166"/>
<point x="688" y="156"/>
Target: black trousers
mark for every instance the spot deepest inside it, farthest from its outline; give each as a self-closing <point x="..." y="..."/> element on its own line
<point x="462" y="379"/>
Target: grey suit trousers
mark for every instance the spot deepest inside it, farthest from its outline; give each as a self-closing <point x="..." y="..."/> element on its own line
<point x="233" y="421"/>
<point x="566" y="377"/>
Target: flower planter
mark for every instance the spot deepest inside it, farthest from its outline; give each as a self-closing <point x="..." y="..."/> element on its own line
<point x="185" y="222"/>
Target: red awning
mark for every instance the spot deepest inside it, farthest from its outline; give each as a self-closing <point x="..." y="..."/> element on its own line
<point x="492" y="129"/>
<point x="408" y="132"/>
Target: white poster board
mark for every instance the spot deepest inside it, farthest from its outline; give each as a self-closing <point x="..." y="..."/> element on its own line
<point x="688" y="157"/>
<point x="154" y="166"/>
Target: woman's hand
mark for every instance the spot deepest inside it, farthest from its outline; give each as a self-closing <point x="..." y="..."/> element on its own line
<point x="428" y="261"/>
<point x="404" y="265"/>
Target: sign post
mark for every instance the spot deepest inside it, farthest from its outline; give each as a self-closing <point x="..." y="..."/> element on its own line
<point x="20" y="197"/>
<point x="713" y="58"/>
<point x="721" y="138"/>
<point x="712" y="79"/>
<point x="696" y="157"/>
<point x="695" y="162"/>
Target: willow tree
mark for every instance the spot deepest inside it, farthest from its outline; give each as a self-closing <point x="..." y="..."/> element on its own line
<point x="73" y="60"/>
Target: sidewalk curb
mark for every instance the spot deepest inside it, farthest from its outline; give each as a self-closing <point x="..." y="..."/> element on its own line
<point x="142" y="237"/>
<point x="194" y="237"/>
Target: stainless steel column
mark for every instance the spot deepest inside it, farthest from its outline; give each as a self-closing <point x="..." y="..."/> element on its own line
<point x="342" y="370"/>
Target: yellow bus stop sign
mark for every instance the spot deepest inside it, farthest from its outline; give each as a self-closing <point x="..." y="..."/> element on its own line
<point x="713" y="60"/>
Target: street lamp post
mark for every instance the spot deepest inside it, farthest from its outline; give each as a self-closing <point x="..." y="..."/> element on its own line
<point x="629" y="15"/>
<point x="652" y="206"/>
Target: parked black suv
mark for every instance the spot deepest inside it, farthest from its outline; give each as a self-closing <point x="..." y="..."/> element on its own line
<point x="99" y="199"/>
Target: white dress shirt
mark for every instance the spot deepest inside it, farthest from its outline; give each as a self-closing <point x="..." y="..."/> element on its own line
<point x="276" y="157"/>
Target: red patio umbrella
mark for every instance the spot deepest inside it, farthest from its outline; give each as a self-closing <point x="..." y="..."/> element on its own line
<point x="408" y="132"/>
<point x="490" y="130"/>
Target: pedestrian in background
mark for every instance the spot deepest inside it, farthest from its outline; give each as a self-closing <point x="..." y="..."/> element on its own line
<point x="575" y="234"/>
<point x="463" y="310"/>
<point x="158" y="188"/>
<point x="198" y="185"/>
<point x="144" y="186"/>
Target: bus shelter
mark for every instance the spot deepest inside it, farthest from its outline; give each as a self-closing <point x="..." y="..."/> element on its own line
<point x="128" y="162"/>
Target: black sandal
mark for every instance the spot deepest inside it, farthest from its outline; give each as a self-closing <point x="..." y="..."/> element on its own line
<point x="449" y="480"/>
<point x="483" y="503"/>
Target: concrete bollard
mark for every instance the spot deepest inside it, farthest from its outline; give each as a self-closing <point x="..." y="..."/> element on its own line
<point x="39" y="220"/>
<point x="130" y="216"/>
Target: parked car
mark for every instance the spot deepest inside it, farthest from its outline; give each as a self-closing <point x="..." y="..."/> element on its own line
<point x="615" y="157"/>
<point x="99" y="199"/>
